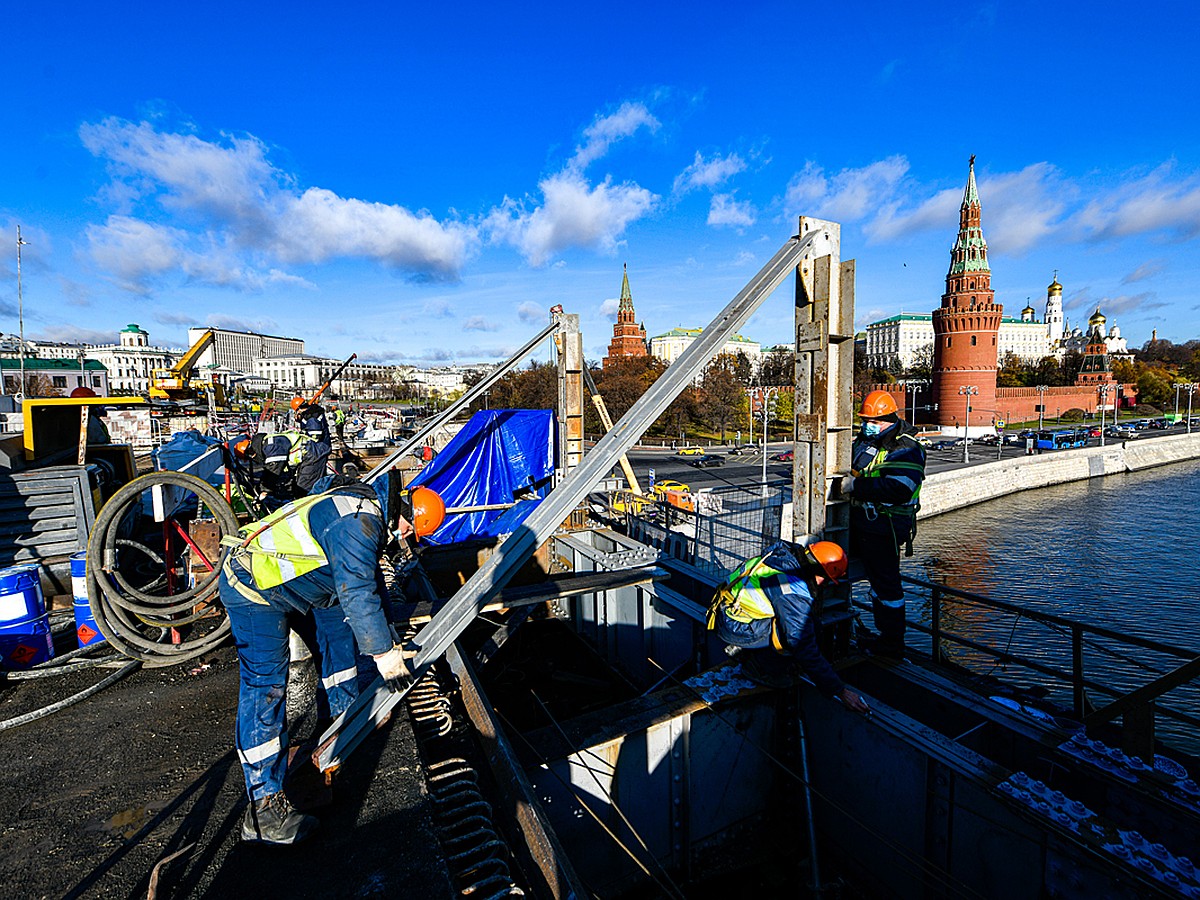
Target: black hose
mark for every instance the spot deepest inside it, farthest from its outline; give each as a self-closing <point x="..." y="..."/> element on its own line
<point x="70" y="701"/>
<point x="136" y="622"/>
<point x="32" y="674"/>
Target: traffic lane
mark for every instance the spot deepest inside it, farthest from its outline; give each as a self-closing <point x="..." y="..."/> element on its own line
<point x="737" y="470"/>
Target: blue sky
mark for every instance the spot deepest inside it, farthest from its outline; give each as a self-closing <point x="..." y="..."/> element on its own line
<point x="421" y="185"/>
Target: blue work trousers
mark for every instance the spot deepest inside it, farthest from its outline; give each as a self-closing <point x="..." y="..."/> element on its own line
<point x="261" y="635"/>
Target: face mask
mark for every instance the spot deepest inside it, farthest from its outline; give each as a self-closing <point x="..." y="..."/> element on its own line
<point x="872" y="429"/>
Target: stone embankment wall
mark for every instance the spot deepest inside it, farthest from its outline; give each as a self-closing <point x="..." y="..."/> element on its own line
<point x="946" y="491"/>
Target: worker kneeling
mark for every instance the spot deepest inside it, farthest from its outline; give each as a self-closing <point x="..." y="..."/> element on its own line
<point x="767" y="602"/>
<point x="318" y="554"/>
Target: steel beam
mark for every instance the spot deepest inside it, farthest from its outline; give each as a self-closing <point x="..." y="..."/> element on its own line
<point x="348" y="730"/>
<point x="569" y="343"/>
<point x="823" y="385"/>
<point x="460" y="404"/>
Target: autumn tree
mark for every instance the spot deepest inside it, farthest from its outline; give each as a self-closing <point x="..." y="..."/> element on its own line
<point x="721" y="394"/>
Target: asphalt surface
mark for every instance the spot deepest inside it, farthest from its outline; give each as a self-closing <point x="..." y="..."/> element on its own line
<point x="94" y="796"/>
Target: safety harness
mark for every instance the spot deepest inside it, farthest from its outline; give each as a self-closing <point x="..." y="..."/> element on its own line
<point x="879" y="467"/>
<point x="281" y="547"/>
<point x="745" y="595"/>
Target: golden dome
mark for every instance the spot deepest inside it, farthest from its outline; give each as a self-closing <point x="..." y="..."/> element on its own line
<point x="1097" y="318"/>
<point x="1055" y="287"/>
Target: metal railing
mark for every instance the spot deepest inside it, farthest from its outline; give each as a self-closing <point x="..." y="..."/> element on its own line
<point x="1137" y="706"/>
<point x="722" y="528"/>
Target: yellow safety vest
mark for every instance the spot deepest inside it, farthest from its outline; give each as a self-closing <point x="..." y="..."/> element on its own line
<point x="281" y="547"/>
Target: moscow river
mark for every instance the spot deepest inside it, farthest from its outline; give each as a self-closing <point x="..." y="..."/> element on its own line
<point x="1119" y="551"/>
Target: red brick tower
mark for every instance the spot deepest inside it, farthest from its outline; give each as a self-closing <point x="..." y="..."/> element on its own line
<point x="629" y="338"/>
<point x="967" y="324"/>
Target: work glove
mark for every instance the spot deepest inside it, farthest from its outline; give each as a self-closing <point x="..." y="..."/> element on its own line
<point x="845" y="486"/>
<point x="393" y="668"/>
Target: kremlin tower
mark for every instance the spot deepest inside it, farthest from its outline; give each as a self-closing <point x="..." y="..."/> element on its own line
<point x="966" y="326"/>
<point x="629" y="338"/>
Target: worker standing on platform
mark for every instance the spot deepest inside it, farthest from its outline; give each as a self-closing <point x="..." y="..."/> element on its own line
<point x="884" y="487"/>
<point x="319" y="554"/>
<point x="339" y="423"/>
<point x="766" y="606"/>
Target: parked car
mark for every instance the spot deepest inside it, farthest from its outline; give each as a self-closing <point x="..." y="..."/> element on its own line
<point x="706" y="461"/>
<point x="946" y="445"/>
<point x="785" y="456"/>
<point x="667" y="484"/>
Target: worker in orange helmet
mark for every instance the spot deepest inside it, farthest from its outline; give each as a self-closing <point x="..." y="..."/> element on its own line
<point x="884" y="490"/>
<point x="317" y="555"/>
<point x="765" y="610"/>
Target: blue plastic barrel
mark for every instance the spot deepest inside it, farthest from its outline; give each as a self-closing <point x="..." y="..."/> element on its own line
<point x="85" y="623"/>
<point x="25" y="637"/>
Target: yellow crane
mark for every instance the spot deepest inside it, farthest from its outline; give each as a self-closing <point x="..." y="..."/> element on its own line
<point x="177" y="383"/>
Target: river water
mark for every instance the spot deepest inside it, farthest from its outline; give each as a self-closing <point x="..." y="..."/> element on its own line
<point x="1119" y="552"/>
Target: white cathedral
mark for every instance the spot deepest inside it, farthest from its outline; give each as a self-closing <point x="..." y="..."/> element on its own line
<point x="901" y="337"/>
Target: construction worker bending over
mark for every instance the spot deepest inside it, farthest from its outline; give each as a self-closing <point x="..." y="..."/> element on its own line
<point x="766" y="605"/>
<point x="884" y="489"/>
<point x="319" y="554"/>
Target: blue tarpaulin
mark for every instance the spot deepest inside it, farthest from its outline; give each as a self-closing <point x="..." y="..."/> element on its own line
<point x="500" y="456"/>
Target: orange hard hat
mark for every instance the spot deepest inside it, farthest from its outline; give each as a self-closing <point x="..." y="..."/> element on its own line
<point x="428" y="511"/>
<point x="878" y="405"/>
<point x="242" y="447"/>
<point x="297" y="402"/>
<point x="831" y="558"/>
<point x="82" y="392"/>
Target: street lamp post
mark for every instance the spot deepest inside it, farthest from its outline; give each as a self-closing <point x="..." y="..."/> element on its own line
<point x="1191" y="389"/>
<point x="1103" y="391"/>
<point x="1041" y="389"/>
<point x="21" y="311"/>
<point x="1116" y="402"/>
<point x="768" y="397"/>
<point x="968" y="391"/>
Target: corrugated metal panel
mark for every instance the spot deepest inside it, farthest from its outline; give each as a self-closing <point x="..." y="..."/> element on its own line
<point x="44" y="514"/>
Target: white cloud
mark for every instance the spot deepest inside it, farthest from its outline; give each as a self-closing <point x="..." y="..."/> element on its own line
<point x="438" y="308"/>
<point x="171" y="318"/>
<point x="236" y="323"/>
<point x="607" y="130"/>
<point x="849" y="196"/>
<point x="223" y="214"/>
<point x="1127" y="303"/>
<point x="531" y="313"/>
<point x="72" y="334"/>
<point x="479" y="323"/>
<point x="709" y="173"/>
<point x="726" y="209"/>
<point x="573" y="213"/>
<point x="1023" y="208"/>
<point x="1148" y="269"/>
<point x="1161" y="201"/>
<point x="608" y="309"/>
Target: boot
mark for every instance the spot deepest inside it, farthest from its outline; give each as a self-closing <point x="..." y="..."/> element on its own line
<point x="891" y="624"/>
<point x="273" y="820"/>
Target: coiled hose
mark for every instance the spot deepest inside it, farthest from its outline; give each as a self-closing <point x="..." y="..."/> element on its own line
<point x="157" y="629"/>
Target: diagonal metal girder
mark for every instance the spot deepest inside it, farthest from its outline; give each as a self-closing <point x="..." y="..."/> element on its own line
<point x="461" y="403"/>
<point x="436" y="637"/>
